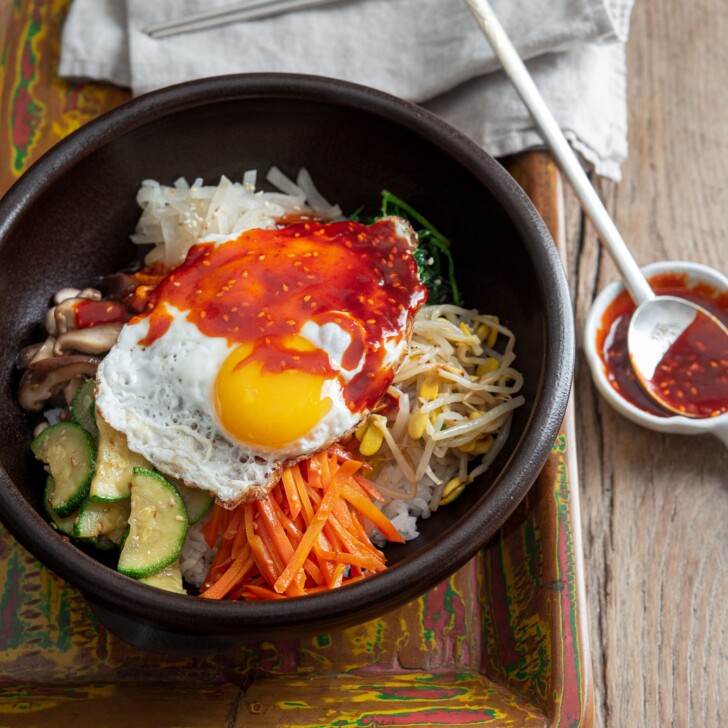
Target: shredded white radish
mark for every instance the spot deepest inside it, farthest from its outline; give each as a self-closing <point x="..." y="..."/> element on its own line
<point x="176" y="217"/>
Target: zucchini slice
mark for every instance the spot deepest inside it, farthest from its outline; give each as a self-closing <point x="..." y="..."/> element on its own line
<point x="99" y="518"/>
<point x="169" y="579"/>
<point x="83" y="408"/>
<point x="69" y="454"/>
<point x="197" y="502"/>
<point x="114" y="464"/>
<point x="157" y="525"/>
<point x="63" y="524"/>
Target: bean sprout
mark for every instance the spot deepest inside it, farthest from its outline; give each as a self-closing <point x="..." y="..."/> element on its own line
<point x="454" y="396"/>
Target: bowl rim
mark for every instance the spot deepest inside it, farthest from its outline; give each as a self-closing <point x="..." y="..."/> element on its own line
<point x="675" y="424"/>
<point x="405" y="579"/>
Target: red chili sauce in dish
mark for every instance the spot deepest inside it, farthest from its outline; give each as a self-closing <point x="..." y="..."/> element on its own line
<point x="696" y="363"/>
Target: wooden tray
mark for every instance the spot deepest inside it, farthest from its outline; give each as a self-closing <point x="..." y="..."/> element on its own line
<point x="502" y="642"/>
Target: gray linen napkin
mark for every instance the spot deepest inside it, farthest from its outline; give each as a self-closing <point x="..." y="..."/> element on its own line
<point x="427" y="51"/>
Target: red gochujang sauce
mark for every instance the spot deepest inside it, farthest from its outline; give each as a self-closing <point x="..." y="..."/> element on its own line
<point x="261" y="288"/>
<point x="695" y="364"/>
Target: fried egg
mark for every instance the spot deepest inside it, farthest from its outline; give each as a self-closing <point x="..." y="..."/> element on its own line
<point x="261" y="350"/>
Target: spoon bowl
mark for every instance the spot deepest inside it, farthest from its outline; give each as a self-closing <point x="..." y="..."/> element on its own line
<point x="675" y="348"/>
<point x="696" y="275"/>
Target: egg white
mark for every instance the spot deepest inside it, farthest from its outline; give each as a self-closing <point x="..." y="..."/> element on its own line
<point x="162" y="397"/>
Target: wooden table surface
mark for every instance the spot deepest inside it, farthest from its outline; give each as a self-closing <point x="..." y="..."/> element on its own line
<point x="654" y="507"/>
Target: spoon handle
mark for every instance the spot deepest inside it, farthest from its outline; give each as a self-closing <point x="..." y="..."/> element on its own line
<point x="634" y="280"/>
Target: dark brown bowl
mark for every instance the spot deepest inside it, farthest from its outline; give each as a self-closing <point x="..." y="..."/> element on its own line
<point x="67" y="220"/>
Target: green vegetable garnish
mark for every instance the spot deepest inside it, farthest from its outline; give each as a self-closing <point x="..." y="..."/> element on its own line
<point x="433" y="248"/>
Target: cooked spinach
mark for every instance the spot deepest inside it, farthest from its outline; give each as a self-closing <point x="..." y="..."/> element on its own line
<point x="433" y="255"/>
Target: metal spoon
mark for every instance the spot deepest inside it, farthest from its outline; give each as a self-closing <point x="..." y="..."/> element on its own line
<point x="659" y="321"/>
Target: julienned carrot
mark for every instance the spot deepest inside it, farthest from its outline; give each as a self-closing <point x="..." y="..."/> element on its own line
<point x="305" y="537"/>
<point x="366" y="508"/>
<point x="238" y="569"/>
<point x="261" y="592"/>
<point x="296" y="534"/>
<point x="263" y="559"/>
<point x="235" y="522"/>
<point x="332" y="493"/>
<point x="303" y="492"/>
<point x="275" y="530"/>
<point x="241" y="539"/>
<point x="212" y="527"/>
<point x="352" y="544"/>
<point x="294" y="500"/>
<point x="368" y="487"/>
<point x="338" y="576"/>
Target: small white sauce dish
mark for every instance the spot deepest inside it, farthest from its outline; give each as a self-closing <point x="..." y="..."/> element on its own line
<point x="696" y="273"/>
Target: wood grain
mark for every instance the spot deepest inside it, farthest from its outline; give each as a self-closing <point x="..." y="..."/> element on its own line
<point x="655" y="507"/>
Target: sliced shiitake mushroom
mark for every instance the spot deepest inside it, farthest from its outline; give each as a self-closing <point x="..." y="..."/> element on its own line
<point x="92" y="340"/>
<point x="35" y="352"/>
<point x="45" y="378"/>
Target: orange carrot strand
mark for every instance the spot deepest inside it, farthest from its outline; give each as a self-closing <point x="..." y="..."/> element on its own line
<point x="236" y="518"/>
<point x="294" y="500"/>
<point x="232" y="576"/>
<point x="249" y="518"/>
<point x="338" y="576"/>
<point x="368" y="509"/>
<point x="368" y="487"/>
<point x="356" y="543"/>
<point x="263" y="560"/>
<point x="325" y="468"/>
<point x="275" y="530"/>
<point x="261" y="592"/>
<point x="303" y="492"/>
<point x="314" y="529"/>
<point x="212" y="527"/>
<point x="241" y="537"/>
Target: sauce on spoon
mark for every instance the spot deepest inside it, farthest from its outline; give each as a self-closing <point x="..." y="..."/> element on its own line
<point x="693" y="375"/>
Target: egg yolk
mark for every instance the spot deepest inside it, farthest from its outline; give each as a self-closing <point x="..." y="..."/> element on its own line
<point x="250" y="398"/>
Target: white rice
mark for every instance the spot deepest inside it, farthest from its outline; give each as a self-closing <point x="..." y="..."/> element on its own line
<point x="196" y="556"/>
